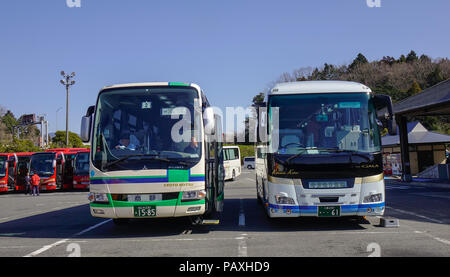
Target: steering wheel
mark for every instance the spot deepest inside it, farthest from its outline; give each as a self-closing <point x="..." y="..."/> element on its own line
<point x="292" y="143"/>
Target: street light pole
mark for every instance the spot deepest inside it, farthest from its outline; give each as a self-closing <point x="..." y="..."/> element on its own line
<point x="67" y="82"/>
<point x="56" y="128"/>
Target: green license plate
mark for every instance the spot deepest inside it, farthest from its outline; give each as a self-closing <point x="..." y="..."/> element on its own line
<point x="329" y="211"/>
<point x="144" y="211"/>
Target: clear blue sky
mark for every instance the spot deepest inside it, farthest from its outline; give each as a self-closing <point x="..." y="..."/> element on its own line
<point x="232" y="49"/>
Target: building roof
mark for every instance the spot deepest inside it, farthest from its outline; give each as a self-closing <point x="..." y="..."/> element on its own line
<point x="417" y="134"/>
<point x="318" y="87"/>
<point x="432" y="101"/>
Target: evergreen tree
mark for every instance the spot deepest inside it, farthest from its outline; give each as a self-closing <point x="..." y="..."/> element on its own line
<point x="411" y="57"/>
<point x="359" y="60"/>
<point x="434" y="77"/>
<point x="402" y="59"/>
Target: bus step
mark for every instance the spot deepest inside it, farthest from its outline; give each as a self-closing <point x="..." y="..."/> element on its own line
<point x="210" y="221"/>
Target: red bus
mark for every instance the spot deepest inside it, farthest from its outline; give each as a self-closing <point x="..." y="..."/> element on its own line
<point x="7" y="171"/>
<point x="22" y="168"/>
<point x="13" y="169"/>
<point x="55" y="167"/>
<point x="50" y="168"/>
<point x="81" y="170"/>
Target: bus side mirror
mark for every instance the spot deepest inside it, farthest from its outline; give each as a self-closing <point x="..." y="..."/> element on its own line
<point x="209" y="121"/>
<point x="383" y="104"/>
<point x="85" y="131"/>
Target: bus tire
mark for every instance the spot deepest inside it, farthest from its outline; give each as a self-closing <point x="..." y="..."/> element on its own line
<point x="233" y="176"/>
<point x="121" y="221"/>
<point x="196" y="220"/>
<point x="258" y="192"/>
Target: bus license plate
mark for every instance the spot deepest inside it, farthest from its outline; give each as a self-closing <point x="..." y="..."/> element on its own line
<point x="329" y="211"/>
<point x="144" y="211"/>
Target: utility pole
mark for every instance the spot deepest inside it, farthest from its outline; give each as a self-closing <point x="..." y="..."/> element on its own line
<point x="67" y="82"/>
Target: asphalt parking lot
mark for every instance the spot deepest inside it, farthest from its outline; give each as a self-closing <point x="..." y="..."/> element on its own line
<point x="59" y="225"/>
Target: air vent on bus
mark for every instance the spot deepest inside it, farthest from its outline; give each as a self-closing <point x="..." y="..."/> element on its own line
<point x="328" y="199"/>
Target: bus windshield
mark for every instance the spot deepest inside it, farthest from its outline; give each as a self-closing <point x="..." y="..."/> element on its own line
<point x="82" y="164"/>
<point x="323" y="123"/>
<point x="42" y="164"/>
<point x="147" y="128"/>
<point x="3" y="165"/>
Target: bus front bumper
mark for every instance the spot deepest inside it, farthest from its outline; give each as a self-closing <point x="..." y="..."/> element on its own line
<point x="105" y="211"/>
<point x="372" y="209"/>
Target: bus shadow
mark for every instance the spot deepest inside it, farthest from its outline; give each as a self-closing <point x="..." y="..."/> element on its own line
<point x="257" y="221"/>
<point x="70" y="222"/>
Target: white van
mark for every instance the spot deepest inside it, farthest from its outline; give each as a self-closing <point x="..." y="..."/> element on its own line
<point x="249" y="162"/>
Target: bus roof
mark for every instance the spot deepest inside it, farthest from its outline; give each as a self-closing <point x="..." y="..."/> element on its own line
<point x="151" y="84"/>
<point x="318" y="87"/>
<point x="66" y="150"/>
<point x="24" y="154"/>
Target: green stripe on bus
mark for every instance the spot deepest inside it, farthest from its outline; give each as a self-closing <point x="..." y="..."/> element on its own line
<point x="127" y="177"/>
<point x="164" y="203"/>
<point x="178" y="175"/>
<point x="178" y="84"/>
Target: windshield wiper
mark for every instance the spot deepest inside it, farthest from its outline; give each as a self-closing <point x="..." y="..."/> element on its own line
<point x="336" y="150"/>
<point x="147" y="156"/>
<point x="352" y="152"/>
<point x="288" y="160"/>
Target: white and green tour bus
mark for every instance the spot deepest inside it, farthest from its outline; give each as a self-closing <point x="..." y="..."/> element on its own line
<point x="155" y="152"/>
<point x="322" y="154"/>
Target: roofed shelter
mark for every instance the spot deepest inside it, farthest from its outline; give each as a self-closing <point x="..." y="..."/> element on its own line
<point x="433" y="101"/>
<point x="426" y="148"/>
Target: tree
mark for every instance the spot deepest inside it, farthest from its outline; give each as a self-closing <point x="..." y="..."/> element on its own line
<point x="19" y="146"/>
<point x="388" y="60"/>
<point x="415" y="88"/>
<point x="402" y="59"/>
<point x="359" y="60"/>
<point x="411" y="57"/>
<point x="59" y="140"/>
<point x="258" y="99"/>
<point x="9" y="120"/>
<point x="434" y="77"/>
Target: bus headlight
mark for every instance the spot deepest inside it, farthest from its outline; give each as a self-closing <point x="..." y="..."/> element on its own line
<point x="373" y="198"/>
<point x="193" y="195"/>
<point x="98" y="198"/>
<point x="284" y="199"/>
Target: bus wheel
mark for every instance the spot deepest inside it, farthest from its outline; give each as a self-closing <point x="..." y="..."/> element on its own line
<point x="196" y="220"/>
<point x="258" y="192"/>
<point x="121" y="221"/>
<point x="233" y="176"/>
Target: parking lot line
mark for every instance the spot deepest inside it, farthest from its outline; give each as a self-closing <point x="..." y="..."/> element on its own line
<point x="47" y="247"/>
